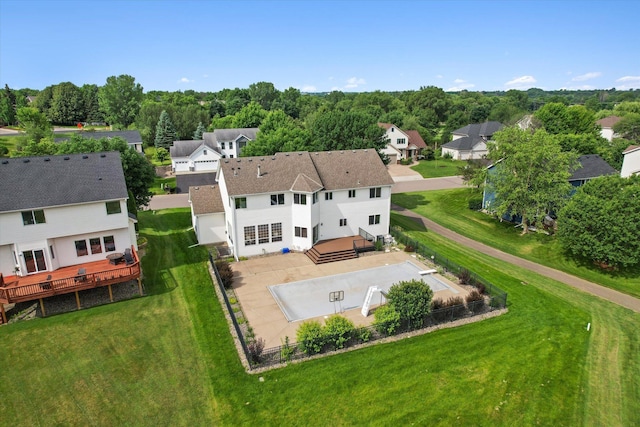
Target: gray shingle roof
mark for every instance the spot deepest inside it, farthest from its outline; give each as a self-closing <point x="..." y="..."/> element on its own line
<point x="38" y="182"/>
<point x="304" y="171"/>
<point x="206" y="199"/>
<point x="464" y="144"/>
<point x="131" y="136"/>
<point x="232" y="134"/>
<point x="186" y="148"/>
<point x="592" y="166"/>
<point x="486" y="129"/>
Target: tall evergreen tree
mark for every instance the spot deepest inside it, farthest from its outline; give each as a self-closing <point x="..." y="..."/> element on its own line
<point x="199" y="131"/>
<point x="165" y="132"/>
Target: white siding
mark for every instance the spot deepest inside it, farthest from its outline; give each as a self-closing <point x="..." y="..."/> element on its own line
<point x="631" y="164"/>
<point x="210" y="228"/>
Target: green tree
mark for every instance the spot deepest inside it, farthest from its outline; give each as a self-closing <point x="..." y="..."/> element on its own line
<point x="531" y="178"/>
<point x="288" y="102"/>
<point x="161" y="154"/>
<point x="91" y="103"/>
<point x="278" y="133"/>
<point x="67" y="104"/>
<point x="250" y="116"/>
<point x="629" y="126"/>
<point x="597" y="225"/>
<point x="199" y="131"/>
<point x="473" y="172"/>
<point x="185" y="119"/>
<point x="120" y="100"/>
<point x="345" y="130"/>
<point x="7" y="107"/>
<point x="43" y="100"/>
<point x="411" y="300"/>
<point x="34" y="124"/>
<point x="165" y="132"/>
<point x="264" y="93"/>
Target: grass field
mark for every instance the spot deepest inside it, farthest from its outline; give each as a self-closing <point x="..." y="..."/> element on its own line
<point x="450" y="209"/>
<point x="168" y="359"/>
<point x="158" y="181"/>
<point x="150" y="154"/>
<point x="438" y="168"/>
<point x="10" y="142"/>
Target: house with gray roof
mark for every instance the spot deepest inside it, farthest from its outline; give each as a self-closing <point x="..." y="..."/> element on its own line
<point x="230" y="142"/>
<point x="470" y="142"/>
<point x="61" y="211"/>
<point x="291" y="201"/>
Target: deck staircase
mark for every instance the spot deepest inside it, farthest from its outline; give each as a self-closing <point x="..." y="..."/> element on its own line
<point x="324" y="257"/>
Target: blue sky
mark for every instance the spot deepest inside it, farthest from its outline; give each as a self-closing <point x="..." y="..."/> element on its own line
<point x="322" y="46"/>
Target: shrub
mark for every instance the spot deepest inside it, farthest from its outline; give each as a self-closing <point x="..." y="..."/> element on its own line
<point x="475" y="301"/>
<point x="428" y="153"/>
<point x="310" y="337"/>
<point x="447" y="155"/>
<point x="363" y="334"/>
<point x="475" y="204"/>
<point x="287" y="351"/>
<point x="480" y="287"/>
<point x="255" y="348"/>
<point x="412" y="300"/>
<point x="464" y="276"/>
<point x="226" y="273"/>
<point x="406" y="162"/>
<point x="379" y="245"/>
<point x="386" y="320"/>
<point x="409" y="248"/>
<point x="457" y="306"/>
<point x="338" y="330"/>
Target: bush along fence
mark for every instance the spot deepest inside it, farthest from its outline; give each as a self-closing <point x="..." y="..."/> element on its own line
<point x="339" y="333"/>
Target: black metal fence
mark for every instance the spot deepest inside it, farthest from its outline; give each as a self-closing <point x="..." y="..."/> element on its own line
<point x="497" y="299"/>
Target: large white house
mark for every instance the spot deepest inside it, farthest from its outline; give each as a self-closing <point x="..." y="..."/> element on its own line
<point x="606" y="127"/>
<point x="631" y="161"/>
<point x="470" y="142"/>
<point x="203" y="155"/>
<point x="402" y="144"/>
<point x="60" y="211"/>
<point x="293" y="200"/>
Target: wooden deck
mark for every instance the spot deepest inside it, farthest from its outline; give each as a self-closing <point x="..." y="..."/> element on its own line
<point x="66" y="279"/>
<point x="339" y="249"/>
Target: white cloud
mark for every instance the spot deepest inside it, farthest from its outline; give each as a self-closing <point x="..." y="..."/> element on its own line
<point x="522" y="81"/>
<point x="439" y="76"/>
<point x="630" y="82"/>
<point x="460" y="87"/>
<point x="185" y="80"/>
<point x="579" y="87"/>
<point x="205" y="75"/>
<point x="587" y="76"/>
<point x="308" y="88"/>
<point x="457" y="81"/>
<point x="354" y="82"/>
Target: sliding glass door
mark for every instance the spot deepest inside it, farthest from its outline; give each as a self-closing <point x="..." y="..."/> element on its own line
<point x="34" y="260"/>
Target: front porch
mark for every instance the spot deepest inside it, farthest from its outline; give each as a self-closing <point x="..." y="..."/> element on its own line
<point x="15" y="289"/>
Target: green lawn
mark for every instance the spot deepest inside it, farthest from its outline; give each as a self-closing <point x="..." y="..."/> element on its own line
<point x="450" y="209"/>
<point x="10" y="142"/>
<point x="158" y="181"/>
<point x="150" y="154"/>
<point x="438" y="168"/>
<point x="169" y="359"/>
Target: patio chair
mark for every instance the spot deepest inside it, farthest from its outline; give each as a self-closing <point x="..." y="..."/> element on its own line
<point x="46" y="285"/>
<point x="82" y="275"/>
<point x="128" y="257"/>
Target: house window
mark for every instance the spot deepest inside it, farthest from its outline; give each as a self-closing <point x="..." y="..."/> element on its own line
<point x="96" y="246"/>
<point x="314" y="198"/>
<point x="375" y="192"/>
<point x="81" y="248"/>
<point x="277" y="199"/>
<point x="343" y="222"/>
<point x="33" y="217"/>
<point x="222" y="145"/>
<point x="113" y="207"/>
<point x="250" y="235"/>
<point x="231" y="156"/>
<point x="401" y="141"/>
<point x="352" y="194"/>
<point x="230" y="145"/>
<point x="109" y="243"/>
<point x="241" y="202"/>
<point x="328" y="196"/>
<point x="300" y="232"/>
<point x="263" y="233"/>
<point x="276" y="232"/>
<point x="53" y="255"/>
<point x="374" y="219"/>
<point x="299" y="199"/>
<point x="204" y="152"/>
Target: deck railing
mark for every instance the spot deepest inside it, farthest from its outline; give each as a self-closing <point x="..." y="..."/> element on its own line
<point x="51" y="287"/>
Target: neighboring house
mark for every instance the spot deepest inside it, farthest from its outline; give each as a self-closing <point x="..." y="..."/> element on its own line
<point x="402" y="144"/>
<point x="591" y="166"/>
<point x="631" y="161"/>
<point x="59" y="214"/>
<point x="293" y="200"/>
<point x="197" y="156"/>
<point x="207" y="214"/>
<point x="525" y="122"/>
<point x="607" y="127"/>
<point x="470" y="142"/>
<point x="230" y="142"/>
<point x="132" y="137"/>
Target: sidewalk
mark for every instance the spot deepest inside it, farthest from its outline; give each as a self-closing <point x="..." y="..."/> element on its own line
<point x="614" y="296"/>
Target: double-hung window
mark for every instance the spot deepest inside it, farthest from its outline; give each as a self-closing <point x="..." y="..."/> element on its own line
<point x="33" y="217"/>
<point x="352" y="194"/>
<point x="375" y="192"/>
<point x="299" y="199"/>
<point x="374" y="219"/>
<point x="328" y="195"/>
<point x="250" y="235"/>
<point x="241" y="202"/>
<point x="343" y="222"/>
<point x="276" y="232"/>
<point x="300" y="232"/>
<point x="277" y="199"/>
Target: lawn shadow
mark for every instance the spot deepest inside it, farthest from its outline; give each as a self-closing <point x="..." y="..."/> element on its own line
<point x="410" y="200"/>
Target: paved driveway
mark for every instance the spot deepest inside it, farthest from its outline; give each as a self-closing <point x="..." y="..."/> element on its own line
<point x="169" y="201"/>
